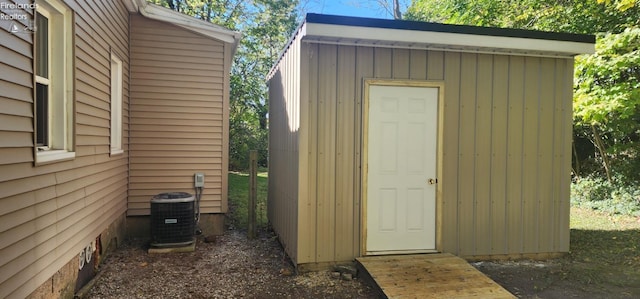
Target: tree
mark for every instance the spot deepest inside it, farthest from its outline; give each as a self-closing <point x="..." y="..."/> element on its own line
<point x="607" y="101"/>
<point x="266" y="26"/>
<point x="607" y="88"/>
<point x="573" y="16"/>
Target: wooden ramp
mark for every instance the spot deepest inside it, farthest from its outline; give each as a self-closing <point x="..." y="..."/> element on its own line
<point x="438" y="275"/>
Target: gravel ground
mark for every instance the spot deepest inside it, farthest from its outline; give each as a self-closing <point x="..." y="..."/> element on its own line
<point x="229" y="267"/>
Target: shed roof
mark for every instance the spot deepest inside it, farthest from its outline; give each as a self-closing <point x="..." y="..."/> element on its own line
<point x="332" y="29"/>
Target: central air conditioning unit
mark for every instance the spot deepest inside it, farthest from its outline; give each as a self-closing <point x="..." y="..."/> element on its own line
<point x="172" y="219"/>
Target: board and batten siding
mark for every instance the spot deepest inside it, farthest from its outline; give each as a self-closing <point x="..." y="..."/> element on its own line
<point x="49" y="213"/>
<point x="179" y="115"/>
<point x="506" y="134"/>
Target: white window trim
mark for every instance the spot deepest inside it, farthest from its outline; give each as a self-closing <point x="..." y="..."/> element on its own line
<point x="116" y="106"/>
<point x="60" y="82"/>
<point x="55" y="155"/>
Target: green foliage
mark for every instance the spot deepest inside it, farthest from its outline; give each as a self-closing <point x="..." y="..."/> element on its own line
<point x="607" y="99"/>
<point x="266" y="26"/>
<point x="239" y="197"/>
<point x="615" y="197"/>
<point x="574" y="16"/>
<point x="608" y="83"/>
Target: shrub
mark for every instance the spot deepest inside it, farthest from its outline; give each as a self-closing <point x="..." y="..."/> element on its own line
<point x="615" y="197"/>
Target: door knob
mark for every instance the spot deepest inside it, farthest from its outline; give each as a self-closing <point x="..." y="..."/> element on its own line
<point x="432" y="181"/>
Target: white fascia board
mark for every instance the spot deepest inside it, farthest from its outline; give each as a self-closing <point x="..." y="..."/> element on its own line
<point x="132" y="6"/>
<point x="447" y="39"/>
<point x="163" y="14"/>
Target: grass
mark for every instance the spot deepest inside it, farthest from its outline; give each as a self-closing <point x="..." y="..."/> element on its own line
<point x="605" y="249"/>
<point x="239" y="196"/>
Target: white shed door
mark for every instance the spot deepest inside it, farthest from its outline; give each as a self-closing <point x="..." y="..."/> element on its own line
<point x="401" y="201"/>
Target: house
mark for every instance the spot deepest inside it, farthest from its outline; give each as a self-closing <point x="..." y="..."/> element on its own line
<point x="391" y="137"/>
<point x="104" y="104"/>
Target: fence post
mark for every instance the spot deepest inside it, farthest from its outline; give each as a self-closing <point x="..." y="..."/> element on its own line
<point x="253" y="193"/>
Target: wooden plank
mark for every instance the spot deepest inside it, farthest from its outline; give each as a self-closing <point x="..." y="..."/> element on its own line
<point x="514" y="154"/>
<point x="499" y="154"/>
<point x="439" y="275"/>
<point x="530" y="204"/>
<point x="482" y="194"/>
<point x="449" y="181"/>
<point x="466" y="151"/>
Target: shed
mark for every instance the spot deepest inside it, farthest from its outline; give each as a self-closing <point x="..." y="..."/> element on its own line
<point x="391" y="137"/>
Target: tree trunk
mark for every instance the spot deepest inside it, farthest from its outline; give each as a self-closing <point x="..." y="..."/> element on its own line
<point x="576" y="159"/>
<point x="396" y="10"/>
<point x="600" y="146"/>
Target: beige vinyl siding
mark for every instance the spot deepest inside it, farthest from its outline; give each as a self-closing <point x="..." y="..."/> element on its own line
<point x="285" y="211"/>
<point x="179" y="124"/>
<point x="506" y="135"/>
<point x="50" y="212"/>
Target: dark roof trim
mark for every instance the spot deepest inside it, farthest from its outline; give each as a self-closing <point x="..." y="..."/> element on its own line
<point x="446" y="28"/>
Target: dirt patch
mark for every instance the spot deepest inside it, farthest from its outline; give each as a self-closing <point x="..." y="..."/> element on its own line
<point x="560" y="279"/>
<point x="604" y="262"/>
<point x="230" y="267"/>
<point x="601" y="264"/>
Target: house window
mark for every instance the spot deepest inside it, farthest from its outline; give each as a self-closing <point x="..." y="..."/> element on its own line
<point x="116" y="105"/>
<point x="54" y="85"/>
